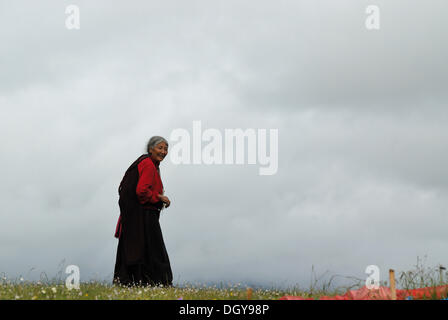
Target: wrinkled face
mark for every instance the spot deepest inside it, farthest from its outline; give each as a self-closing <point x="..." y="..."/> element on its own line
<point x="159" y="152"/>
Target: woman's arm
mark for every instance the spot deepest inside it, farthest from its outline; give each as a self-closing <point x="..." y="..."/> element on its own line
<point x="146" y="182"/>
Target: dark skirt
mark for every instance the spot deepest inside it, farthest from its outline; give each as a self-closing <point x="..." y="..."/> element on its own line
<point x="155" y="269"/>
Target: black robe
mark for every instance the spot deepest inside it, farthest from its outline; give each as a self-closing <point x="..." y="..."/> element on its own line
<point x="141" y="258"/>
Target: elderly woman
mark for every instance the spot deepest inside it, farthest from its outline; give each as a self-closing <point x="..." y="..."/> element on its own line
<point x="142" y="258"/>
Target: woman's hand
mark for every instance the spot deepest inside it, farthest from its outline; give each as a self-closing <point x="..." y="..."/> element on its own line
<point x="165" y="200"/>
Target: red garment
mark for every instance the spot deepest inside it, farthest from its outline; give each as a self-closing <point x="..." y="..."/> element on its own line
<point x="149" y="186"/>
<point x="383" y="293"/>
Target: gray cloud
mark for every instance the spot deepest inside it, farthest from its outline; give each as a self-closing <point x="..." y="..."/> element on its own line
<point x="361" y="118"/>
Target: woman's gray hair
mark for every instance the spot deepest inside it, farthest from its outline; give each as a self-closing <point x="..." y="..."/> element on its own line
<point x="155" y="141"/>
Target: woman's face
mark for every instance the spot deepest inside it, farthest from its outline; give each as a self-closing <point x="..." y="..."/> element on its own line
<point x="159" y="152"/>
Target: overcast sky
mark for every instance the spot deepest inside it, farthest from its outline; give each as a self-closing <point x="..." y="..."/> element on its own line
<point x="361" y="116"/>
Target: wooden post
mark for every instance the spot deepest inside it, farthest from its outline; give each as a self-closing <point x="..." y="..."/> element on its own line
<point x="249" y="293"/>
<point x="441" y="268"/>
<point x="392" y="284"/>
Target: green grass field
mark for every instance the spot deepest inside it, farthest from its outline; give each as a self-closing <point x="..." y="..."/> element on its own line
<point x="55" y="289"/>
<point x="99" y="291"/>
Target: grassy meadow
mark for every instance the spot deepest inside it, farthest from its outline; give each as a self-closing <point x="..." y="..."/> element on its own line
<point x="55" y="289"/>
<point x="101" y="291"/>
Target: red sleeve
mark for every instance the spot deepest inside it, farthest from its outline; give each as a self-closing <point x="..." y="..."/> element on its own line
<point x="146" y="183"/>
